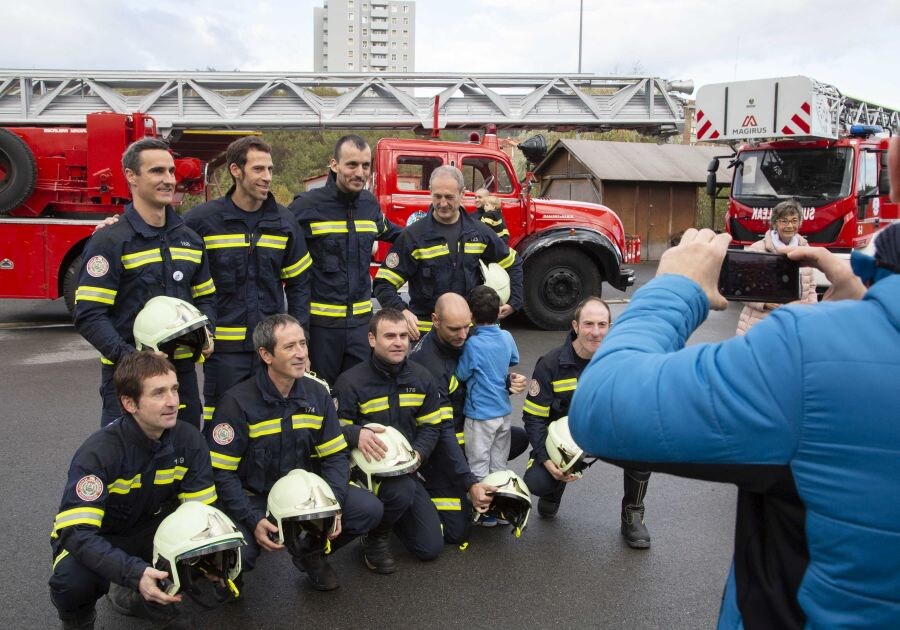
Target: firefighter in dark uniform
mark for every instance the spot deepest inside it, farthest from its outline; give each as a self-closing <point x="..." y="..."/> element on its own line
<point x="440" y="253"/>
<point x="257" y="256"/>
<point x="489" y="210"/>
<point x="123" y="481"/>
<point x="549" y="394"/>
<point x="278" y="421"/>
<point x="392" y="391"/>
<point x="341" y="222"/>
<point x="149" y="252"/>
<point x="448" y="479"/>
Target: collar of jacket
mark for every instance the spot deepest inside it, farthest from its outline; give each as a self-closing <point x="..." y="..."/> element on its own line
<point x="268" y="209"/>
<point x="466" y="227"/>
<point x="140" y="226"/>
<point x="270" y="393"/>
<point x="133" y="434"/>
<point x="567" y="352"/>
<point x="399" y="373"/>
<point x="442" y="346"/>
<point x="346" y="198"/>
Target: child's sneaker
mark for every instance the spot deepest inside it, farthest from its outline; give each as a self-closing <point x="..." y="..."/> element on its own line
<point x="487" y="521"/>
<point x="502" y="521"/>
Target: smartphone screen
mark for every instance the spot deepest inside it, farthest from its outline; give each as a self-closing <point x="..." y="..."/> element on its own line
<point x="749" y="276"/>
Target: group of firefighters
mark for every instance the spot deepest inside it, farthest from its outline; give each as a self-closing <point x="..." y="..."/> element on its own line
<point x="263" y="295"/>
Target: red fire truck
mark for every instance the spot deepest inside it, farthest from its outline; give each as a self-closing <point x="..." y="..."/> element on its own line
<point x="794" y="137"/>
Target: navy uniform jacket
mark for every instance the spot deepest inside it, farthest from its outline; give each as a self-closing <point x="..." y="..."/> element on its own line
<point x="422" y="257"/>
<point x="257" y="436"/>
<point x="128" y="263"/>
<point x="120" y="478"/>
<point x="340" y="229"/>
<point x="253" y="271"/>
<point x="494" y="220"/>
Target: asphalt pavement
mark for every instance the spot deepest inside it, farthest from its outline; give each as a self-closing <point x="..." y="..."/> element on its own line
<point x="571" y="571"/>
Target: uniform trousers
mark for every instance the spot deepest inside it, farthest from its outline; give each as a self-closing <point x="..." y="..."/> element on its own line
<point x="333" y="351"/>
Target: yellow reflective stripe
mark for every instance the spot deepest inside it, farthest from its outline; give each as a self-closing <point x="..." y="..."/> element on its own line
<point x="345" y="422"/>
<point x="536" y="410"/>
<point x="430" y="418"/>
<point x="509" y="260"/>
<point x="361" y="308"/>
<point x="390" y="276"/>
<point x="78" y="516"/>
<point x="530" y="463"/>
<point x="292" y="271"/>
<point x="124" y="486"/>
<point x="446" y="413"/>
<point x="564" y="385"/>
<point x="132" y="261"/>
<point x="444" y="504"/>
<point x="491" y="222"/>
<point x="318" y="228"/>
<point x="207" y="495"/>
<point x="424" y="253"/>
<point x="187" y="253"/>
<point x="411" y="400"/>
<point x="454" y="384"/>
<point x="222" y="241"/>
<point x="331" y="446"/>
<point x="265" y="427"/>
<point x="272" y="241"/>
<point x="204" y="288"/>
<point x="306" y="421"/>
<point x="362" y="225"/>
<point x="105" y="361"/>
<point x="208" y="413"/>
<point x="95" y="294"/>
<point x="503" y="233"/>
<point x="376" y="404"/>
<point x="226" y="333"/>
<point x="474" y="248"/>
<point x="424" y="325"/>
<point x="58" y="558"/>
<point x="166" y="476"/>
<point x="327" y="310"/>
<point x="224" y="462"/>
<point x="183" y="352"/>
<point x="461" y="437"/>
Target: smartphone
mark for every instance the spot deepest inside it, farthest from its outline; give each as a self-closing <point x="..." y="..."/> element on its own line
<point x="749" y="276"/>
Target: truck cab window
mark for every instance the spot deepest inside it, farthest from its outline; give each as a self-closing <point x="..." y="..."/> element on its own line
<point x="485" y="172"/>
<point x="414" y="171"/>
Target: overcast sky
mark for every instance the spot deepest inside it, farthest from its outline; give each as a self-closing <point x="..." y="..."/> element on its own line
<point x="707" y="41"/>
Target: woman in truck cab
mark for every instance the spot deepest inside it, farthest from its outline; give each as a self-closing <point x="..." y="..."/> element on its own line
<point x="786" y="219"/>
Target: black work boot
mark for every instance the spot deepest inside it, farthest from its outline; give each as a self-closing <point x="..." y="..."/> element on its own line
<point x="633" y="529"/>
<point x="321" y="576"/>
<point x="547" y="508"/>
<point x="130" y="603"/>
<point x="81" y="620"/>
<point x="377" y="550"/>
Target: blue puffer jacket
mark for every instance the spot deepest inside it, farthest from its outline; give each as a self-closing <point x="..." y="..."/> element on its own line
<point x="802" y="414"/>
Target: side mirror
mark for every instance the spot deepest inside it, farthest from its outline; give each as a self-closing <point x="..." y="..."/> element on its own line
<point x="884" y="176"/>
<point x="711" y="184"/>
<point x="713" y="165"/>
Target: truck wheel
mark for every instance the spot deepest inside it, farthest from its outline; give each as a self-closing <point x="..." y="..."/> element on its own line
<point x="555" y="282"/>
<point x="18" y="171"/>
<point x="70" y="283"/>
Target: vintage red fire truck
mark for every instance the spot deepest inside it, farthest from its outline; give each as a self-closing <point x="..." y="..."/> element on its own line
<point x="794" y="137"/>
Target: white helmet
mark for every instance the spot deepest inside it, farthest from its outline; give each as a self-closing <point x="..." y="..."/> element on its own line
<point x="194" y="543"/>
<point x="562" y="449"/>
<point x="167" y="323"/>
<point x="496" y="277"/>
<point x="511" y="501"/>
<point x="400" y="458"/>
<point x="303" y="505"/>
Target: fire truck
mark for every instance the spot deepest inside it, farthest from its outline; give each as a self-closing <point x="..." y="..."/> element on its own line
<point x="793" y="137"/>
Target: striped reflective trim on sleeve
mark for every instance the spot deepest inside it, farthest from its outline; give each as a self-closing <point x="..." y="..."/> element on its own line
<point x="435" y="251"/>
<point x="321" y="228"/>
<point x="138" y="259"/>
<point x="503" y="233"/>
<point x="331" y="446"/>
<point x="327" y="310"/>
<point x="446" y="413"/>
<point x="292" y="271"/>
<point x="536" y="410"/>
<point x="272" y="241"/>
<point x="165" y="476"/>
<point x="376" y="404"/>
<point x="87" y="293"/>
<point x="105" y="361"/>
<point x="461" y="438"/>
<point x="78" y="516"/>
<point x="207" y="495"/>
<point x="509" y="260"/>
<point x="424" y="325"/>
<point x="411" y="400"/>
<point x="564" y="385"/>
<point x="230" y="333"/>
<point x="124" y="486"/>
<point x="491" y="222"/>
<point x="204" y="288"/>
<point x="306" y="421"/>
<point x="224" y="462"/>
<point x="186" y="253"/>
<point x="208" y="413"/>
<point x="264" y="427"/>
<point x="430" y="418"/>
<point x="223" y="241"/>
<point x="454" y="384"/>
<point x="363" y="225"/>
<point x="345" y="422"/>
<point x="386" y="274"/>
<point x="447" y="504"/>
<point x="60" y="557"/>
<point x="474" y="248"/>
<point x="361" y="308"/>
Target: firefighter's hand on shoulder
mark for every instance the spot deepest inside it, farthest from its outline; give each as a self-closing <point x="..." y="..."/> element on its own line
<point x="517" y="383"/>
<point x="505" y="311"/>
<point x="479" y="495"/>
<point x="370" y="445"/>
<point x="557" y="474"/>
<point x="149" y="587"/>
<point x="107" y="222"/>
<point x="412" y="323"/>
<point x="263" y="528"/>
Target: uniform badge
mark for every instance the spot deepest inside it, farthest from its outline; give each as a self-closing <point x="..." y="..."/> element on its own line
<point x="392" y="260"/>
<point x="97" y="267"/>
<point x="177" y="276"/>
<point x="534" y="388"/>
<point x="415" y="216"/>
<point x="223" y="434"/>
<point x="89" y="487"/>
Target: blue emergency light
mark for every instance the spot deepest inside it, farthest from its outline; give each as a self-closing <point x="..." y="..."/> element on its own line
<point x="861" y="131"/>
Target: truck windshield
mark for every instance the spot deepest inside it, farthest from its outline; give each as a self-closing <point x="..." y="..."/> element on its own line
<point x="814" y="176"/>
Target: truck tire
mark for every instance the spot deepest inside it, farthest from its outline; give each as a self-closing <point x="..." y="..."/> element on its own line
<point x="555" y="282"/>
<point x="18" y="171"/>
<point x="70" y="283"/>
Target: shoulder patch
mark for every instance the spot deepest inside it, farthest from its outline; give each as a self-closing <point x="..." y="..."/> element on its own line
<point x="392" y="260"/>
<point x="89" y="488"/>
<point x="97" y="266"/>
<point x="223" y="434"/>
<point x="415" y="216"/>
<point x="534" y="388"/>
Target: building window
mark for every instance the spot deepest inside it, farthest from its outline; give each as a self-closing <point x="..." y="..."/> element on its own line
<point x="365" y="32"/>
<point x="405" y="69"/>
<point x="405" y="57"/>
<point x="406" y="8"/>
<point x="393" y="32"/>
<point x="405" y="45"/>
<point x="405" y="21"/>
<point x="350" y="66"/>
<point x="405" y="33"/>
<point x="349" y="4"/>
<point x="349" y="41"/>
<point x="364" y="19"/>
<point x="350" y="53"/>
<point x="365" y="56"/>
<point x="393" y="44"/>
<point x="393" y="20"/>
<point x="350" y="28"/>
<point x="393" y="57"/>
<point x="350" y="16"/>
<point x="365" y="44"/>
<point x="365" y="7"/>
